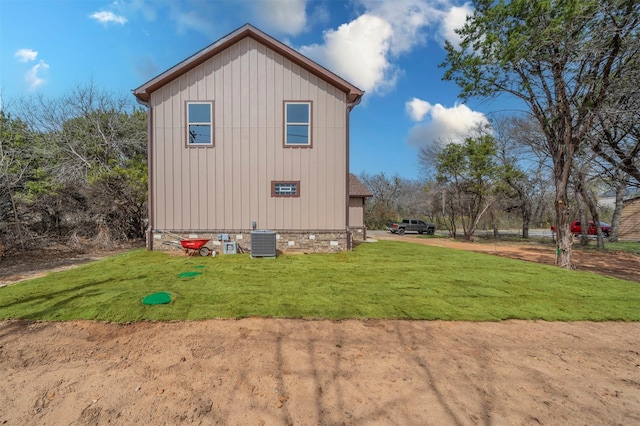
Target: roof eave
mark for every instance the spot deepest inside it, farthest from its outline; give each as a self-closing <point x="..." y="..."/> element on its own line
<point x="144" y="92"/>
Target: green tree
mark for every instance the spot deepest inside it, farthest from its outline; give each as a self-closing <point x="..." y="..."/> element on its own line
<point x="22" y="178"/>
<point x="470" y="173"/>
<point x="96" y="147"/>
<point x="557" y="56"/>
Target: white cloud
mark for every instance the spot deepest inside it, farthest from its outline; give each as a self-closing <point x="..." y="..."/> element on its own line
<point x="319" y="15"/>
<point x="453" y="19"/>
<point x="106" y="17"/>
<point x="283" y="16"/>
<point x="194" y="20"/>
<point x="33" y="76"/>
<point x="148" y="10"/>
<point x="407" y="18"/>
<point x="444" y="124"/>
<point x="26" y="55"/>
<point x="364" y="50"/>
<point x="358" y="52"/>
<point x="417" y="108"/>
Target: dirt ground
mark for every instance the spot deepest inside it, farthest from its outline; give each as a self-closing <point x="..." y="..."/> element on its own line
<point x="291" y="371"/>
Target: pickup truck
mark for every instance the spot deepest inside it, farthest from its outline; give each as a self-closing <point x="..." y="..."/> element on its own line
<point x="576" y="228"/>
<point x="411" y="225"/>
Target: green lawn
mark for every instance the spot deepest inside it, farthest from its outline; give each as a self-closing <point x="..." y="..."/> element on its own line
<point x="386" y="279"/>
<point x="619" y="247"/>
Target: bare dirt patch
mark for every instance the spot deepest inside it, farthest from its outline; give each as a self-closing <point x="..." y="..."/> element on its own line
<point x="290" y="371"/>
<point x="276" y="371"/>
<point x="21" y="266"/>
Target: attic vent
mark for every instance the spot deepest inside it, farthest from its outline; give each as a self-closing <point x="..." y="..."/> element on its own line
<point x="263" y="243"/>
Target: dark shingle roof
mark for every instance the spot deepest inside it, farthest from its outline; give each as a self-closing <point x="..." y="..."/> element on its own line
<point x="356" y="188"/>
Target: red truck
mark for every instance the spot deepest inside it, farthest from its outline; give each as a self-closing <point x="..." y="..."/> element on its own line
<point x="576" y="228"/>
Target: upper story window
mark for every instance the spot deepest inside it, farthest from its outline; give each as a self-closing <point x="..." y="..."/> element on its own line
<point x="297" y="124"/>
<point x="199" y="123"/>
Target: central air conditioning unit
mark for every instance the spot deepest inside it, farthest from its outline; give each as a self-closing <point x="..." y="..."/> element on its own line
<point x="263" y="243"/>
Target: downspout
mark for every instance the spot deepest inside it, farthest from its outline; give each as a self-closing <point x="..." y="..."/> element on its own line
<point x="350" y="106"/>
<point x="150" y="218"/>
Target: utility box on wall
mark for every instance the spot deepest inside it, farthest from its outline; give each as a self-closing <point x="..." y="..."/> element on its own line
<point x="230" y="247"/>
<point x="263" y="243"/>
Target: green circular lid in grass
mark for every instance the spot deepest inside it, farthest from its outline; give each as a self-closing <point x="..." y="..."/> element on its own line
<point x="157" y="298"/>
<point x="189" y="274"/>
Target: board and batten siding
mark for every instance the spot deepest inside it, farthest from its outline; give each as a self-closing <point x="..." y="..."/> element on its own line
<point x="630" y="221"/>
<point x="356" y="212"/>
<point x="228" y="186"/>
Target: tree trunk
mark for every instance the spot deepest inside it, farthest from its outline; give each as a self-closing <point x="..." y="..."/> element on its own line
<point x="564" y="238"/>
<point x="526" y="219"/>
<point x="14" y="211"/>
<point x="584" y="219"/>
<point x="591" y="204"/>
<point x="593" y="209"/>
<point x="617" y="211"/>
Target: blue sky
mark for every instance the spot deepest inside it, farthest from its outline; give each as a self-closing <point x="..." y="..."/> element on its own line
<point x="390" y="49"/>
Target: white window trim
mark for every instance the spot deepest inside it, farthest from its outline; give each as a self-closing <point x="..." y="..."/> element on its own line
<point x="209" y="123"/>
<point x="293" y="123"/>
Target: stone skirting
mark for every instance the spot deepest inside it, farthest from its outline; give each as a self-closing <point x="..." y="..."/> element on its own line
<point x="358" y="234"/>
<point x="286" y="240"/>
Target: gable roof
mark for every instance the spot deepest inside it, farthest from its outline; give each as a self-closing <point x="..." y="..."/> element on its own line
<point x="356" y="188"/>
<point x="143" y="92"/>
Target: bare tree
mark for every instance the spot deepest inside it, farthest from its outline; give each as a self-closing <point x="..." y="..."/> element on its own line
<point x="395" y="198"/>
<point x="92" y="130"/>
<point x="15" y="165"/>
<point x="581" y="182"/>
<point x="383" y="205"/>
<point x="96" y="159"/>
<point x="525" y="166"/>
<point x="559" y="58"/>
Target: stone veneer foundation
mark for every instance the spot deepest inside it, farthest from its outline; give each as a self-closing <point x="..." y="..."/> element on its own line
<point x="286" y="241"/>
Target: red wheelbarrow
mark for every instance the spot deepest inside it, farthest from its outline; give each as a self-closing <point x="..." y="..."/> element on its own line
<point x="191" y="245"/>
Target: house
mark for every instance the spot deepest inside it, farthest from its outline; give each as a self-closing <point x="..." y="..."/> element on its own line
<point x="248" y="134"/>
<point x="358" y="193"/>
<point x="630" y="220"/>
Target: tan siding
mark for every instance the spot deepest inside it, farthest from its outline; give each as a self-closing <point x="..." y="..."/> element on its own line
<point x="295" y="168"/>
<point x="259" y="142"/>
<point x="630" y="221"/>
<point x="216" y="188"/>
<point x="244" y="215"/>
<point x="159" y="179"/>
<point x="223" y="147"/>
<point x="271" y="214"/>
<point x="356" y="212"/>
<point x="183" y="206"/>
<point x="286" y="206"/>
<point x="229" y="185"/>
<point x="174" y="158"/>
<point x="162" y="169"/>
